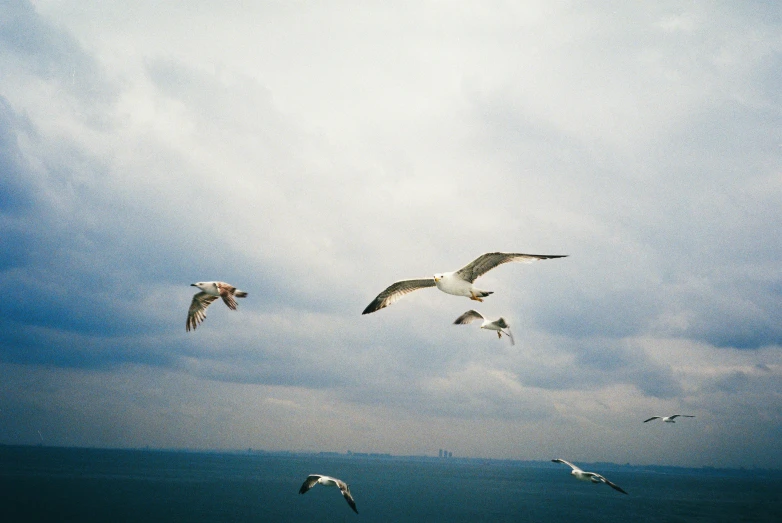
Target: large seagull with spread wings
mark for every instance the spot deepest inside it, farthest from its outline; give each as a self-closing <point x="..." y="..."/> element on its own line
<point x="458" y="283"/>
<point x="669" y="419"/>
<point x="593" y="477"/>
<point x="319" y="479"/>
<point x="210" y="291"/>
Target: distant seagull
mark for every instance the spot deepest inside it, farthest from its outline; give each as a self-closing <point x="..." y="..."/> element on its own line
<point x="458" y="283"/>
<point x="328" y="481"/>
<point x="496" y="325"/>
<point x="669" y="419"/>
<point x="589" y="476"/>
<point x="210" y="291"/>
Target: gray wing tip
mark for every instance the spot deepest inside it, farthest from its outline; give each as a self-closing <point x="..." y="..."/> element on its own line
<point x="616" y="487"/>
<point x="194" y="320"/>
<point x="467" y="317"/>
<point x="376" y="305"/>
<point x="308" y="483"/>
<point x="539" y="256"/>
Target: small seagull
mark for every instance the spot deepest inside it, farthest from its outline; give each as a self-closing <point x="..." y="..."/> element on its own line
<point x="496" y="325"/>
<point x="210" y="291"/>
<point x="458" y="283"/>
<point x="314" y="479"/>
<point x="588" y="476"/>
<point x="669" y="419"/>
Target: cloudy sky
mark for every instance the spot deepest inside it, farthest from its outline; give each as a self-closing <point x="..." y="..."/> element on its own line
<point x="312" y="153"/>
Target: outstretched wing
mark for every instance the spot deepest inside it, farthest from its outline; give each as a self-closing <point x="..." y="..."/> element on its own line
<point x="197" y="311"/>
<point x="311" y="480"/>
<point x="509" y="334"/>
<point x="569" y="464"/>
<point x="396" y="291"/>
<point x="343" y="487"/>
<point x="653" y="417"/>
<point x="610" y="484"/>
<point x="227" y="294"/>
<point x="468" y="317"/>
<point x="486" y="262"/>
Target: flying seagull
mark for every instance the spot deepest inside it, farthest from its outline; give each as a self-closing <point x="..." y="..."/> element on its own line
<point x="496" y="325"/>
<point x="589" y="476"/>
<point x="458" y="283"/>
<point x="314" y="479"/>
<point x="669" y="419"/>
<point x="210" y="291"/>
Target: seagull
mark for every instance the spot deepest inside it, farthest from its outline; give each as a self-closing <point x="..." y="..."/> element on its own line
<point x="314" y="479"/>
<point x="588" y="476"/>
<point x="458" y="283"/>
<point x="210" y="291"/>
<point x="496" y="325"/>
<point x="669" y="419"/>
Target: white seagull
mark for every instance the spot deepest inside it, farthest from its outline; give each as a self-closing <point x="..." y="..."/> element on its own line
<point x="594" y="477"/>
<point x="210" y="291"/>
<point x="458" y="283"/>
<point x="496" y="325"/>
<point x="314" y="479"/>
<point x="669" y="419"/>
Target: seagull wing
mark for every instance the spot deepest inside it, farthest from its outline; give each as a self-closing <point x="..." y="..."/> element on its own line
<point x="468" y="317"/>
<point x="569" y="464"/>
<point x="501" y="323"/>
<point x="396" y="291"/>
<point x="653" y="417"/>
<point x="343" y="487"/>
<point x="197" y="311"/>
<point x="509" y="334"/>
<point x="227" y="294"/>
<point x="486" y="262"/>
<point x="311" y="480"/>
<point x="610" y="484"/>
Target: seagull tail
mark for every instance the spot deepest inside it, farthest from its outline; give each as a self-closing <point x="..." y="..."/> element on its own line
<point x="483" y="294"/>
<point x="240" y="294"/>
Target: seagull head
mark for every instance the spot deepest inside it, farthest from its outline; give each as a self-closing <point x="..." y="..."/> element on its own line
<point x="438" y="277"/>
<point x="200" y="285"/>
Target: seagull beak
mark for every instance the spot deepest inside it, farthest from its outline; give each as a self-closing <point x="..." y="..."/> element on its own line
<point x="193" y="285"/>
<point x="436" y="278"/>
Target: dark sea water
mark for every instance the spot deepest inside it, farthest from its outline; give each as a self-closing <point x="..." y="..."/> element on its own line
<point x="90" y="485"/>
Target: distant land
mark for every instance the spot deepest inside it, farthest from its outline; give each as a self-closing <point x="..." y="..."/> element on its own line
<point x="350" y="455"/>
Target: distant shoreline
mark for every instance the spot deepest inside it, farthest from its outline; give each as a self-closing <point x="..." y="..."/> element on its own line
<point x="349" y="455"/>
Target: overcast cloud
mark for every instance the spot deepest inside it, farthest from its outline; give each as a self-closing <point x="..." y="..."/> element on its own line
<point x="313" y="153"/>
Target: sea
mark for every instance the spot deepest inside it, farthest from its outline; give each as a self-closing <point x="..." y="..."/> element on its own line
<point x="112" y="485"/>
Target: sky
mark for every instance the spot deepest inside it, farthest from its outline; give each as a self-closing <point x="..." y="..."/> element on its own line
<point x="313" y="153"/>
